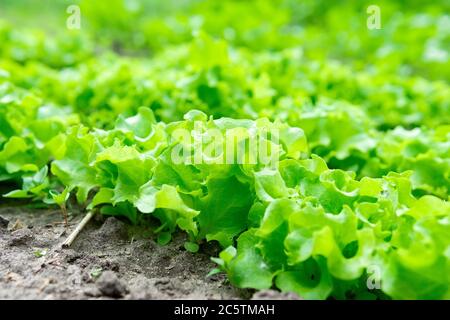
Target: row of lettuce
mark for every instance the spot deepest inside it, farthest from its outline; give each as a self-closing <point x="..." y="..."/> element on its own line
<point x="306" y="228"/>
<point x="367" y="123"/>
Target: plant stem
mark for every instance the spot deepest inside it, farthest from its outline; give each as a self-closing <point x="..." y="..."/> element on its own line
<point x="64" y="211"/>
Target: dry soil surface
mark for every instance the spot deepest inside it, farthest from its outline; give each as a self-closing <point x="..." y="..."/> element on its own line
<point x="109" y="259"/>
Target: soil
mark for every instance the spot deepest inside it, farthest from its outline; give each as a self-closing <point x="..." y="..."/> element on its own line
<point x="109" y="259"/>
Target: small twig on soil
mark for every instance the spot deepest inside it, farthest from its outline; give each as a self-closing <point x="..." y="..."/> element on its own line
<point x="77" y="230"/>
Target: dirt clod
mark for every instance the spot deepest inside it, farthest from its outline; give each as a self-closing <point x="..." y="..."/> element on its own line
<point x="92" y="292"/>
<point x="3" y="222"/>
<point x="21" y="237"/>
<point x="113" y="229"/>
<point x="110" y="285"/>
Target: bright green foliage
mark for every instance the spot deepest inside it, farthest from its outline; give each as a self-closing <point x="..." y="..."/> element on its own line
<point x="323" y="236"/>
<point x="351" y="197"/>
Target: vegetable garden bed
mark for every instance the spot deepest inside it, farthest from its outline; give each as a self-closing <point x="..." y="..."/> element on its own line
<point x="215" y="156"/>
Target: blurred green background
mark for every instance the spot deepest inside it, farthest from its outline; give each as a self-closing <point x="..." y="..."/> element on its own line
<point x="414" y="38"/>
